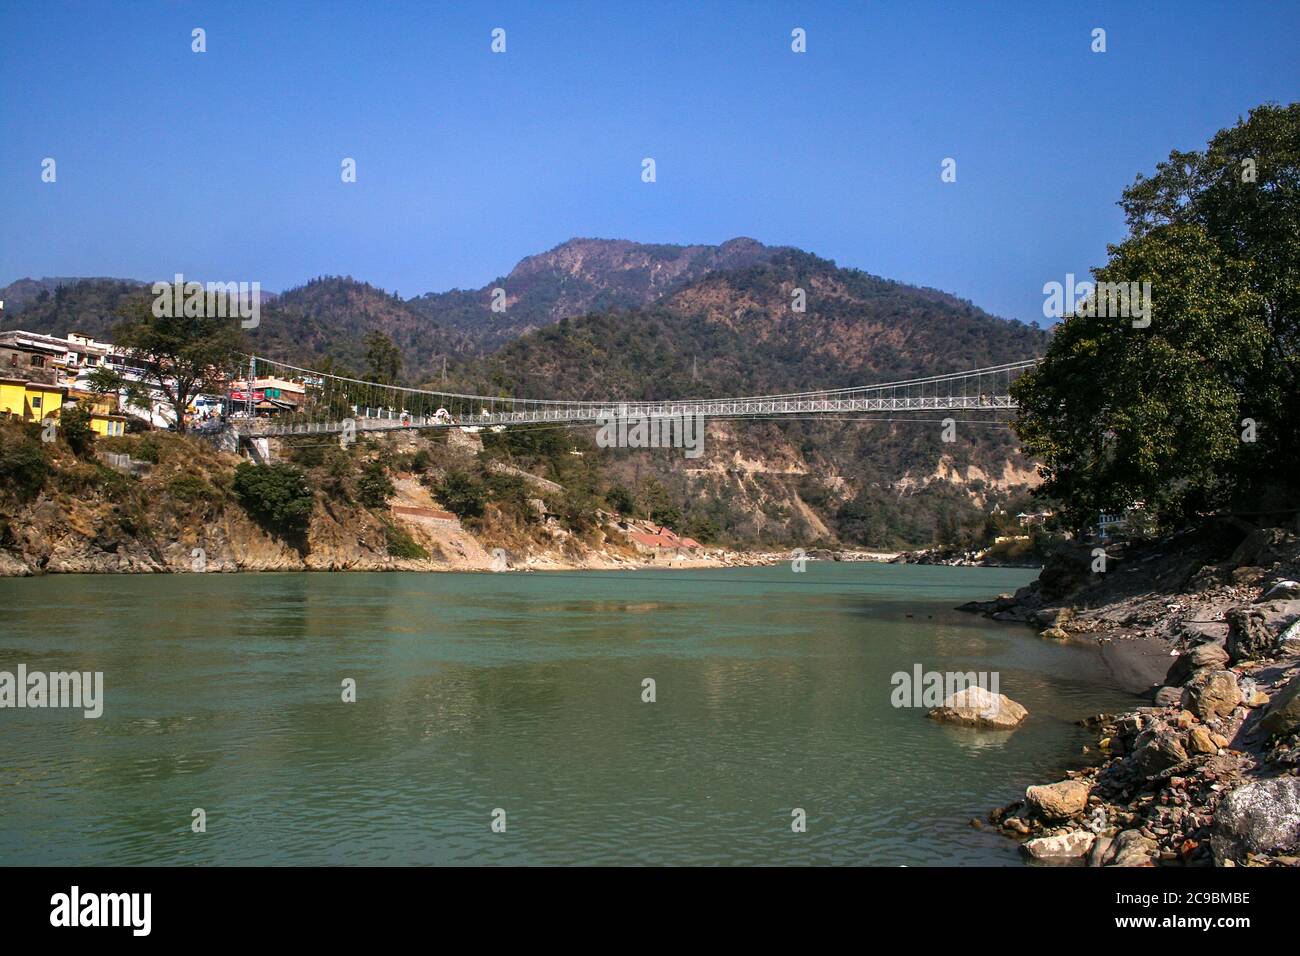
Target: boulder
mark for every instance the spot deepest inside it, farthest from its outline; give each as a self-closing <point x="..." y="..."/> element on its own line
<point x="1131" y="848"/>
<point x="1263" y="547"/>
<point x="1283" y="714"/>
<point x="1212" y="694"/>
<point x="1157" y="749"/>
<point x="1169" y="697"/>
<point x="1067" y="570"/>
<point x="1201" y="741"/>
<point x="1204" y="632"/>
<point x="1254" y="631"/>
<point x="1194" y="659"/>
<point x="1027" y="597"/>
<point x="1260" y="817"/>
<point x="977" y="707"/>
<point x="1055" y="634"/>
<point x="1282" y="591"/>
<point x="1100" y="850"/>
<point x="1064" y="846"/>
<point x="1054" y="616"/>
<point x="1210" y="576"/>
<point x="1248" y="575"/>
<point x="1058" y="801"/>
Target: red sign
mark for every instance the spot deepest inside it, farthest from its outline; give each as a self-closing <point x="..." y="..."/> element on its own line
<point x="237" y="396"/>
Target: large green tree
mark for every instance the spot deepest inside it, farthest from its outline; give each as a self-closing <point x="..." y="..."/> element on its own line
<point x="1165" y="414"/>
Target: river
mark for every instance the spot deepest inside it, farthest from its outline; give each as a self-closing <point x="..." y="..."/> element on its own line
<point x="523" y="693"/>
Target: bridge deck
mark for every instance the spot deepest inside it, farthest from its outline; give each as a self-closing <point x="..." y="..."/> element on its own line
<point x="589" y="413"/>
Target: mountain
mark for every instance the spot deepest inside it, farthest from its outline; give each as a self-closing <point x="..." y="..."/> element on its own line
<point x="873" y="480"/>
<point x="581" y="276"/>
<point x="58" y="306"/>
<point x="736" y="332"/>
<point x="329" y="318"/>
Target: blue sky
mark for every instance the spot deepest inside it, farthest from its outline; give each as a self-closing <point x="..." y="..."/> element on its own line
<point x="225" y="165"/>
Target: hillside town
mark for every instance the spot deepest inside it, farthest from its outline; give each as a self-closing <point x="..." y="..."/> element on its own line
<point x="41" y="374"/>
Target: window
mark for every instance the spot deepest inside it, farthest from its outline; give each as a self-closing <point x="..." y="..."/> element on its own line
<point x="38" y="361"/>
<point x="36" y="401"/>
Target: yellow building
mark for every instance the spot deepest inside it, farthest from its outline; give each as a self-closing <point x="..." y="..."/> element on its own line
<point x="30" y="401"/>
<point x="104" y="418"/>
<point x="13" y="396"/>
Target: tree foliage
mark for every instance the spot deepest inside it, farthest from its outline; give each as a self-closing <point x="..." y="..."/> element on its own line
<point x="383" y="359"/>
<point x="373" y="487"/>
<point x="182" y="356"/>
<point x="23" y="465"/>
<point x="1165" y="415"/>
<point x="75" y="426"/>
<point x="278" y="496"/>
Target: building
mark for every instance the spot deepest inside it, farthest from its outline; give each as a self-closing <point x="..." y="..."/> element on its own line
<point x="65" y="356"/>
<point x="104" y="416"/>
<point x="270" y="395"/>
<point x="1028" y="519"/>
<point x="658" y="540"/>
<point x="29" y="357"/>
<point x="29" y="400"/>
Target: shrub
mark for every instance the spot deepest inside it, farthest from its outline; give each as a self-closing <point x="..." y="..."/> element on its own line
<point x="146" y="449"/>
<point x="402" y="545"/>
<point x="306" y="454"/>
<point x="373" y="487"/>
<point x="74" y="423"/>
<point x="462" y="494"/>
<point x="191" y="488"/>
<point x="278" y="496"/>
<point x="23" y="467"/>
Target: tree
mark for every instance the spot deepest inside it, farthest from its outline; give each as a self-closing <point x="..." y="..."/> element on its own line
<point x="373" y="487"/>
<point x="1119" y="415"/>
<point x="1244" y="192"/>
<point x="181" y="356"/>
<point x="278" y="496"/>
<point x="462" y="495"/>
<point x="109" y="381"/>
<point x="620" y="499"/>
<point x="23" y="465"/>
<point x="74" y="423"/>
<point x="383" y="359"/>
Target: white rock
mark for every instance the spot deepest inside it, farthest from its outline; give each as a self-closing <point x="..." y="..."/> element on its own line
<point x="977" y="707"/>
<point x="1063" y="846"/>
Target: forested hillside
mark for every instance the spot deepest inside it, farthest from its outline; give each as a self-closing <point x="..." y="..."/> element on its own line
<point x="599" y="319"/>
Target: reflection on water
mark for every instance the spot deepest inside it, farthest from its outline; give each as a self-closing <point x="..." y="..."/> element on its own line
<point x="523" y="691"/>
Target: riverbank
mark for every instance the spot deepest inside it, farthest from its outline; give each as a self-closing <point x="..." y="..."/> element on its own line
<point x="1206" y="770"/>
<point x="464" y="554"/>
<point x="162" y="503"/>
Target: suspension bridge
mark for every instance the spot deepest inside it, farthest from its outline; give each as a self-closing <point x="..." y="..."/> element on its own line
<point x="331" y="404"/>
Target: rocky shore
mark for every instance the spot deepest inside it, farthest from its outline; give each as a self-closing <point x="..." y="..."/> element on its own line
<point x="1206" y="769"/>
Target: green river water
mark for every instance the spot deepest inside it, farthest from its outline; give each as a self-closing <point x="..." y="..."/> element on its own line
<point x="524" y="692"/>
